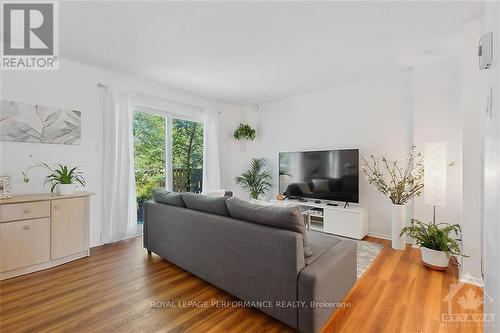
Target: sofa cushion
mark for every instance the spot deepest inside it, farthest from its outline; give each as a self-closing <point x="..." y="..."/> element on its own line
<point x="207" y="204"/>
<point x="279" y="217"/>
<point x="169" y="198"/>
<point x="320" y="243"/>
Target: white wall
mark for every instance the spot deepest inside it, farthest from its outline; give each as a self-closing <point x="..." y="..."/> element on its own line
<point x="73" y="86"/>
<point x="472" y="103"/>
<point x="373" y="115"/>
<point x="491" y="231"/>
<point x="437" y="117"/>
<point x="448" y="103"/>
<point x="234" y="157"/>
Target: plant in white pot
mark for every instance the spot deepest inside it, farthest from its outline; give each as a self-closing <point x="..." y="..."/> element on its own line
<point x="64" y="180"/>
<point x="435" y="242"/>
<point x="398" y="182"/>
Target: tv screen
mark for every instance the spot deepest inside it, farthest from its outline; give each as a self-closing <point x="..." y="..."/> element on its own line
<point x="324" y="175"/>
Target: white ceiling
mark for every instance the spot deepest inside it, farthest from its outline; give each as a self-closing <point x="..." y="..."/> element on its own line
<point x="252" y="52"/>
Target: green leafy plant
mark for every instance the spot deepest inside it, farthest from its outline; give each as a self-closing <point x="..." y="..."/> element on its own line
<point x="399" y="182"/>
<point x="435" y="236"/>
<point x="63" y="175"/>
<point x="244" y="131"/>
<point x="256" y="180"/>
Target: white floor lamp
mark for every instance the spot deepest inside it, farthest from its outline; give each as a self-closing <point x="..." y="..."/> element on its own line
<point x="435" y="175"/>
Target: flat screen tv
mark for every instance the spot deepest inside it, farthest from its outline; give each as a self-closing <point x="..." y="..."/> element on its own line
<point x="324" y="175"/>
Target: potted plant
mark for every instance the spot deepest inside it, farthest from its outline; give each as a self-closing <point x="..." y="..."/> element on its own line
<point x="256" y="180"/>
<point x="435" y="242"/>
<point x="244" y="132"/>
<point x="398" y="182"/>
<point x="64" y="180"/>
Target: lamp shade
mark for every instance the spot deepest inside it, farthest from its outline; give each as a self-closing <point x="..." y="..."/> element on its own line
<point x="435" y="173"/>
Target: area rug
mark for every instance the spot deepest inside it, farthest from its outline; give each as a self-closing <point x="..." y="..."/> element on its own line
<point x="367" y="253"/>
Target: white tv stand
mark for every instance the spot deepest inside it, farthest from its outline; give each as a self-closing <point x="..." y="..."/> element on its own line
<point x="351" y="221"/>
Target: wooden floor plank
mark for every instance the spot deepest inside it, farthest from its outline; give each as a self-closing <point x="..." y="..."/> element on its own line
<point x="112" y="291"/>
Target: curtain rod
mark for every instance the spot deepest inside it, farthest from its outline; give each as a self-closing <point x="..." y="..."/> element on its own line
<point x="100" y="85"/>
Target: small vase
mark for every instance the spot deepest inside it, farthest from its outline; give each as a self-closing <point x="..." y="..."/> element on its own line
<point x="435" y="259"/>
<point x="65" y="189"/>
<point x="398" y="223"/>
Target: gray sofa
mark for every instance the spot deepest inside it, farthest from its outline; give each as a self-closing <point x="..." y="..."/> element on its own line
<point x="255" y="253"/>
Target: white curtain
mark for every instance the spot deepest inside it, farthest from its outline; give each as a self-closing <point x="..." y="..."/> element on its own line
<point x="211" y="163"/>
<point x="119" y="218"/>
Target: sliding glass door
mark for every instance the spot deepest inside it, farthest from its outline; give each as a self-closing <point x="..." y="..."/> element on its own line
<point x="168" y="152"/>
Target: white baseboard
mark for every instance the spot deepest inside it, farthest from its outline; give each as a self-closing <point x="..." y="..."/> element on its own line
<point x="377" y="235"/>
<point x="389" y="237"/>
<point x="466" y="278"/>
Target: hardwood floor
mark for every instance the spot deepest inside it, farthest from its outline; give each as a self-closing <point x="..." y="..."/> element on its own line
<point x="114" y="290"/>
<point x="399" y="294"/>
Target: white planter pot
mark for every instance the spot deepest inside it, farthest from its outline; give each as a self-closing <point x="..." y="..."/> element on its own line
<point x="398" y="223"/>
<point x="435" y="259"/>
<point x="65" y="189"/>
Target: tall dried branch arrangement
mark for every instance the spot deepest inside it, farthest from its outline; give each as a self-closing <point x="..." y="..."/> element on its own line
<point x="399" y="182"/>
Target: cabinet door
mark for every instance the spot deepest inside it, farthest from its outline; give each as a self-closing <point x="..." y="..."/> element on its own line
<point x="70" y="227"/>
<point x="24" y="243"/>
<point x="344" y="223"/>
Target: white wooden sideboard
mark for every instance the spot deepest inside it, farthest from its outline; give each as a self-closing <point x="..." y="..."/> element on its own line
<point x="40" y="231"/>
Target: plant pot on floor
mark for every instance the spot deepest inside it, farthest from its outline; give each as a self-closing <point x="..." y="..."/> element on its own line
<point x="398" y="223"/>
<point x="66" y="189"/>
<point x="435" y="259"/>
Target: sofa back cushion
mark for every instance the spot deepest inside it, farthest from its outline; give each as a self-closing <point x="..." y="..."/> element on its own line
<point x="207" y="204"/>
<point x="288" y="218"/>
<point x="169" y="198"/>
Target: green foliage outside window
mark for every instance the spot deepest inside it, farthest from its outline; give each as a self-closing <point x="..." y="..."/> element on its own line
<point x="149" y="153"/>
<point x="187" y="155"/>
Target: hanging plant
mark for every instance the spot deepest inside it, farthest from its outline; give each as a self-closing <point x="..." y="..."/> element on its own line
<point x="244" y="131"/>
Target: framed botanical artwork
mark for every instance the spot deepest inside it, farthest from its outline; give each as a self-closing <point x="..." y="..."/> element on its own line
<point x="24" y="122"/>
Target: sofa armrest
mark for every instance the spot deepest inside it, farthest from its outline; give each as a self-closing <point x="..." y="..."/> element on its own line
<point x="326" y="281"/>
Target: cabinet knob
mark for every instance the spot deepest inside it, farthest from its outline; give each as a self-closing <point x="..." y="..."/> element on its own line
<point x="26" y="227"/>
<point x="56" y="206"/>
<point x="26" y="210"/>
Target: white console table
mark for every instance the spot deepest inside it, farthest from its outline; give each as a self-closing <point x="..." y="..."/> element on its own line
<point x="351" y="221"/>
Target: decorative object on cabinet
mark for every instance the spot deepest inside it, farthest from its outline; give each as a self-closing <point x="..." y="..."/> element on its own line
<point x="5" y="187"/>
<point x="64" y="179"/>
